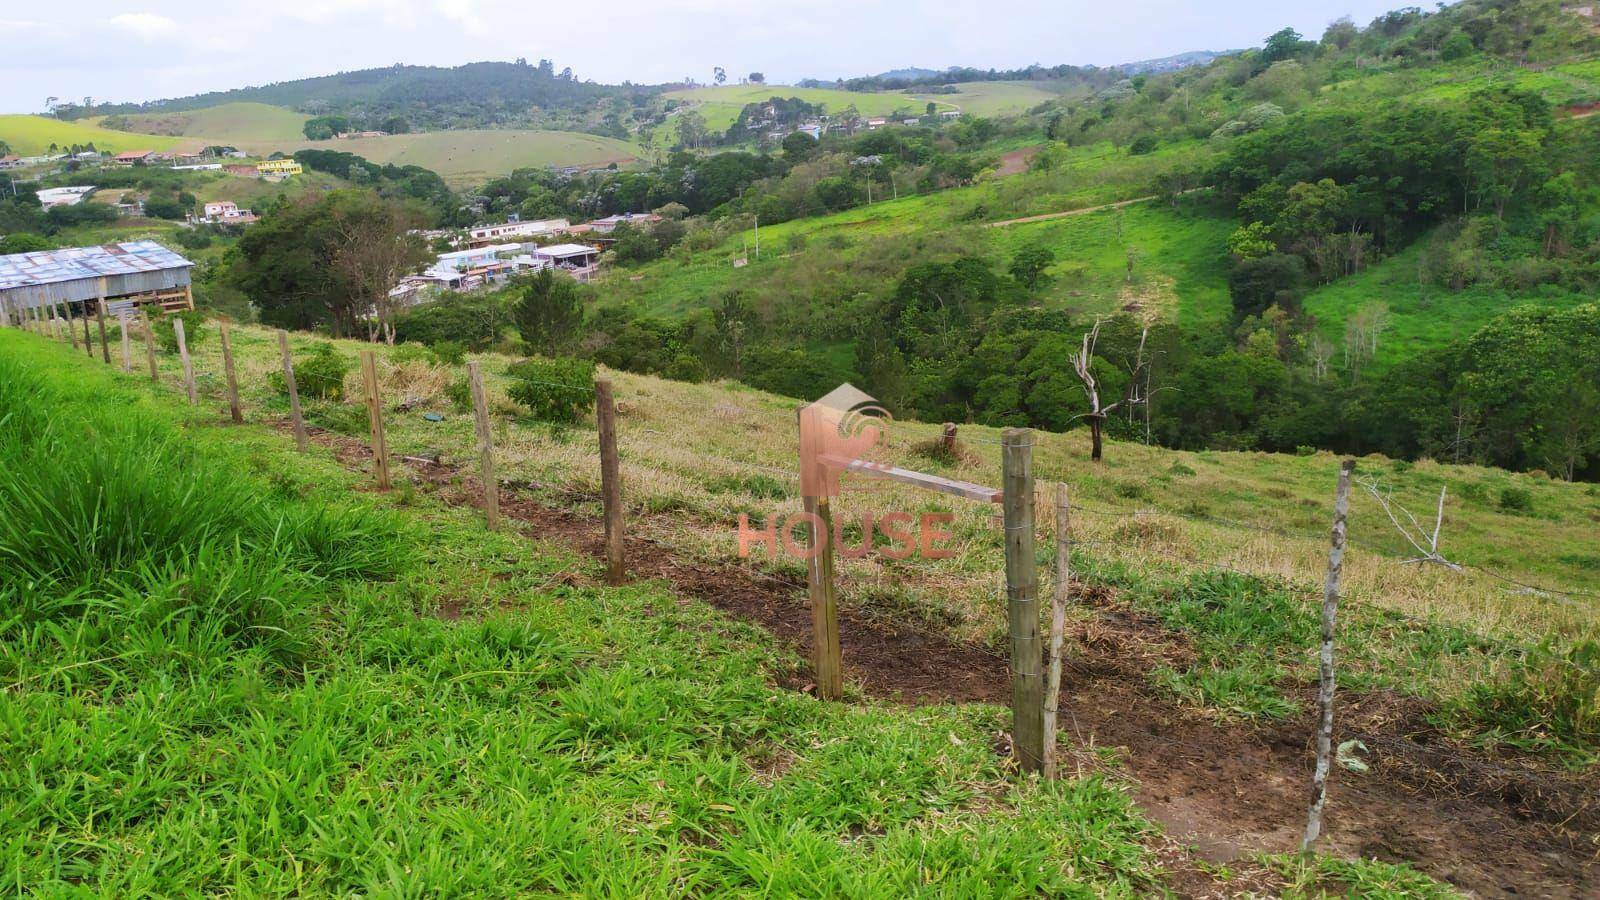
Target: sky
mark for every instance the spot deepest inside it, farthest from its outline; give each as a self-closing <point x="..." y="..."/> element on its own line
<point x="137" y="50"/>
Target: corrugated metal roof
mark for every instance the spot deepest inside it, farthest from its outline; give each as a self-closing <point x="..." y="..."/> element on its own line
<point x="55" y="266"/>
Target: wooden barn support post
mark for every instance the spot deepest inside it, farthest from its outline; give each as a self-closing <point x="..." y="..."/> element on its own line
<point x="55" y="323"/>
<point x="233" y="378"/>
<point x="183" y="354"/>
<point x="149" y="345"/>
<point x="295" y="418"/>
<point x="1022" y="595"/>
<point x="605" y="409"/>
<point x="480" y="417"/>
<point x="100" y="316"/>
<point x="88" y="339"/>
<point x="380" y="444"/>
<point x="127" y="351"/>
<point x="1058" y="625"/>
<point x="1330" y="610"/>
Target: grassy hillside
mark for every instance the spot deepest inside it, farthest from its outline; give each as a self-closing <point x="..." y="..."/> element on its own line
<point x="311" y="688"/>
<point x="470" y="157"/>
<point x="229" y="123"/>
<point x="33" y="135"/>
<point x="994" y="98"/>
<point x="720" y="105"/>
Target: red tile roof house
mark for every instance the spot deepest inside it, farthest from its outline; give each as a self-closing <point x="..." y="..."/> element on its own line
<point x="10" y="162"/>
<point x="130" y="157"/>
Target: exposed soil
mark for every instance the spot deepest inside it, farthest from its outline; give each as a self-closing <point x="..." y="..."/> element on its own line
<point x="1491" y="827"/>
<point x="1016" y="162"/>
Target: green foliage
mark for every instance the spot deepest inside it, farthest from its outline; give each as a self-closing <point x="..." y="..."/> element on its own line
<point x="24" y="243"/>
<point x="1029" y="263"/>
<point x="474" y="320"/>
<point x="1540" y="699"/>
<point x="547" y="309"/>
<point x="558" y="390"/>
<point x="318" y="374"/>
<point x="194" y="331"/>
<point x="448" y="353"/>
<point x="1515" y="499"/>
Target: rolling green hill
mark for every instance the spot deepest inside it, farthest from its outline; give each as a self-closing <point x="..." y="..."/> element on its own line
<point x="720" y="106"/>
<point x="229" y="123"/>
<point x="470" y="157"/>
<point x="33" y="135"/>
<point x="997" y="98"/>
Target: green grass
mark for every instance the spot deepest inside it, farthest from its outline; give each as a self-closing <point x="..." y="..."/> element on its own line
<point x="994" y="98"/>
<point x="33" y="135"/>
<point x="470" y="156"/>
<point x="720" y="106"/>
<point x="228" y="123"/>
<point x="224" y="673"/>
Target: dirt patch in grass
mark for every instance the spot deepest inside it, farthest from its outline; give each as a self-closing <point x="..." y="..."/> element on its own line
<point x="1493" y="827"/>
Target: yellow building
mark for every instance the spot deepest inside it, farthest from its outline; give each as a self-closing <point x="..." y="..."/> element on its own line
<point x="279" y="168"/>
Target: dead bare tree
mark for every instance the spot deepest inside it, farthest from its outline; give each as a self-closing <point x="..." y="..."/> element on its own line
<point x="1426" y="543"/>
<point x="1320" y="349"/>
<point x="1083" y="363"/>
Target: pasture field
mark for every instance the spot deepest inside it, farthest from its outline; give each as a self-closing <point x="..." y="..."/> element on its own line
<point x="230" y="123"/>
<point x="470" y="157"/>
<point x="32" y="136"/>
<point x="246" y="672"/>
<point x="994" y="98"/>
<point x="720" y="105"/>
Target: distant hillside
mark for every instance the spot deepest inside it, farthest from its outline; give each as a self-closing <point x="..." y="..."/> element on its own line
<point x="475" y="94"/>
<point x="230" y="123"/>
<point x="1175" y="62"/>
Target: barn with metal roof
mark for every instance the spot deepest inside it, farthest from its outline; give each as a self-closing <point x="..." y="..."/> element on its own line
<point x="137" y="273"/>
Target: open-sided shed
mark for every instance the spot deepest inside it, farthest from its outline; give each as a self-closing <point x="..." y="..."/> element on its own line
<point x="122" y="276"/>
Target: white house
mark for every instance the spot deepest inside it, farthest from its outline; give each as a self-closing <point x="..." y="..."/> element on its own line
<point x="50" y="198"/>
<point x="493" y="233"/>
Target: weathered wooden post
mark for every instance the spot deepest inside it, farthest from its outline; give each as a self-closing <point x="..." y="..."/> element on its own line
<point x="227" y="368"/>
<point x="947" y="442"/>
<point x="149" y="345"/>
<point x="1058" y="625"/>
<point x="183" y="354"/>
<point x="100" y="315"/>
<point x="827" y="657"/>
<point x="605" y="409"/>
<point x="66" y="320"/>
<point x="380" y="446"/>
<point x="1330" y="611"/>
<point x="127" y="353"/>
<point x="55" y="323"/>
<point x="294" y="392"/>
<point x="1022" y="595"/>
<point x="480" y="416"/>
<point x="88" y="339"/>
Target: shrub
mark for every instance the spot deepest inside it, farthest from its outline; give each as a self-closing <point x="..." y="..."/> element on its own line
<point x="1515" y="499"/>
<point x="448" y="353"/>
<point x="473" y="319"/>
<point x="193" y="330"/>
<point x="1144" y="143"/>
<point x="319" y="373"/>
<point x="553" y="390"/>
<point x="459" y="393"/>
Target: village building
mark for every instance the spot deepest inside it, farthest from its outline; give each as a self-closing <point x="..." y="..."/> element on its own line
<point x="226" y="211"/>
<point x="610" y="223"/>
<point x="278" y="168"/>
<point x="488" y="234"/>
<point x="130" y="157"/>
<point x="581" y="261"/>
<point x="49" y="198"/>
<point x="122" y="276"/>
<point x="11" y="162"/>
<point x="199" y="167"/>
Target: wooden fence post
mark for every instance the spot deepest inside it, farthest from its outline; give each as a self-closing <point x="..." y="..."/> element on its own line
<point x="827" y="658"/>
<point x="88" y="339"/>
<point x="55" y="323"/>
<point x="380" y="445"/>
<point x="127" y="352"/>
<point x="1022" y="596"/>
<point x="1330" y="610"/>
<point x="227" y="368"/>
<point x="605" y="409"/>
<point x="66" y="320"/>
<point x="149" y="345"/>
<point x="480" y="416"/>
<point x="100" y="315"/>
<point x="183" y="354"/>
<point x="1058" y="625"/>
<point x="294" y="392"/>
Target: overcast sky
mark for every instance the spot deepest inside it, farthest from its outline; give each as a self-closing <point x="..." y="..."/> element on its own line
<point x="122" y="50"/>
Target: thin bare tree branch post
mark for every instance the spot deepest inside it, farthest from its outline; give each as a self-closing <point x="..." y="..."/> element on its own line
<point x="233" y="379"/>
<point x="480" y="417"/>
<point x="183" y="354"/>
<point x="605" y="409"/>
<point x="1325" y="689"/>
<point x="1058" y="626"/>
<point x="380" y="443"/>
<point x="295" y="419"/>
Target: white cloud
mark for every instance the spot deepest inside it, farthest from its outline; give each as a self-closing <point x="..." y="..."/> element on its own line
<point x="146" y="25"/>
<point x="465" y="14"/>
